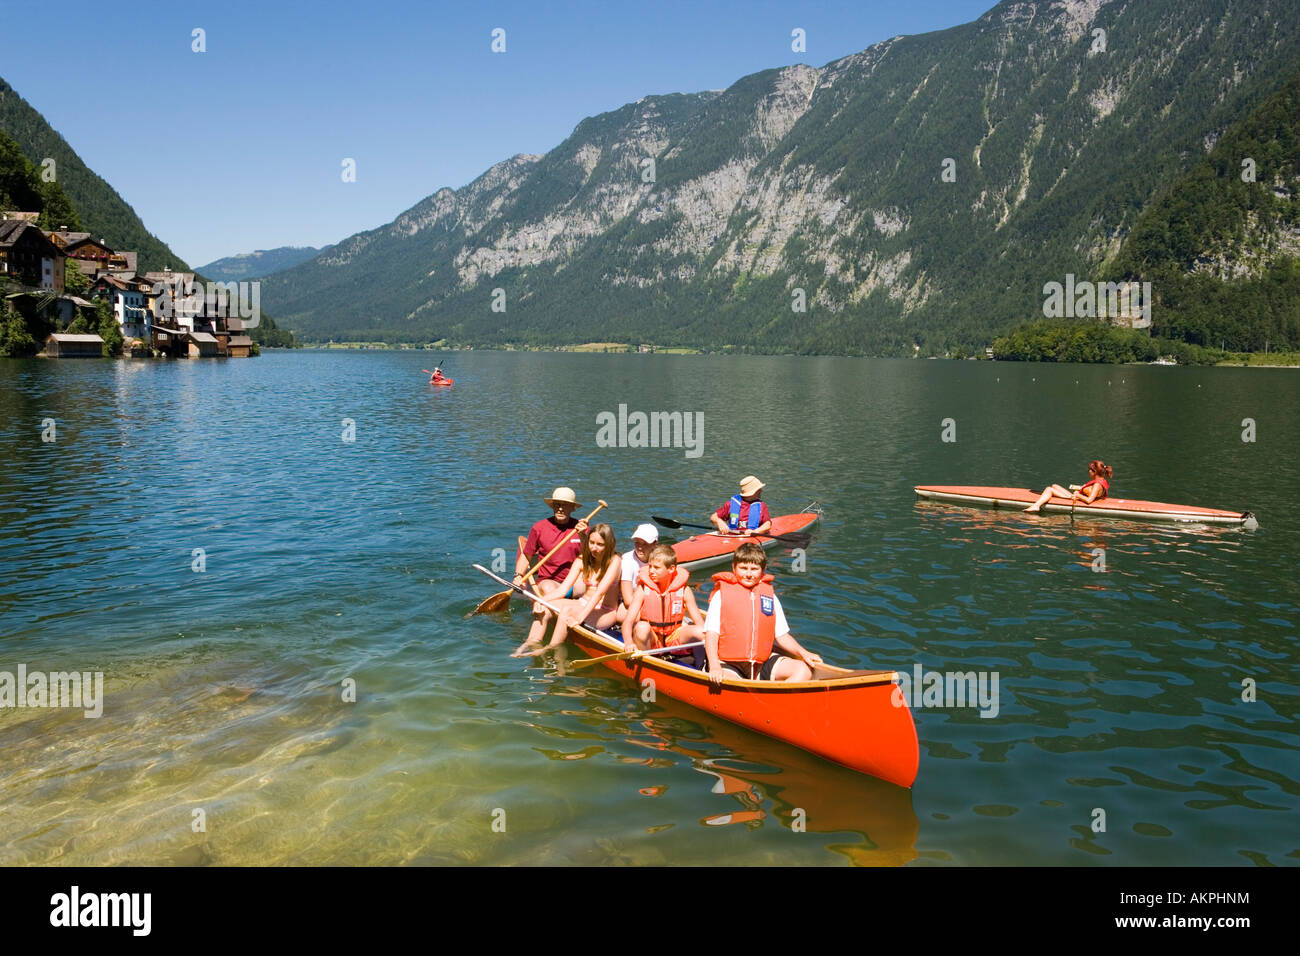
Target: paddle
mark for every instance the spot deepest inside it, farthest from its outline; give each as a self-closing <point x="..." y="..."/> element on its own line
<point x="798" y="539"/>
<point x="632" y="654"/>
<point x="543" y="602"/>
<point x="501" y="600"/>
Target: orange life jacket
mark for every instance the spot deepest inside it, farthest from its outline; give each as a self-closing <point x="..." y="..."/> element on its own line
<point x="748" y="628"/>
<point x="663" y="609"/>
<point x="1105" y="488"/>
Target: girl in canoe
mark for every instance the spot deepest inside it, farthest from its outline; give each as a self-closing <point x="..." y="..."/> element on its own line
<point x="593" y="580"/>
<point x="1096" y="488"/>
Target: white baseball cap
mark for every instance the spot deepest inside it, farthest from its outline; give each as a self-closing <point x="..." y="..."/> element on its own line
<point x="646" y="532"/>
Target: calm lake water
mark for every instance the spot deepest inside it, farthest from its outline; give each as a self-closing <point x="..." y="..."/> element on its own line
<point x="323" y="560"/>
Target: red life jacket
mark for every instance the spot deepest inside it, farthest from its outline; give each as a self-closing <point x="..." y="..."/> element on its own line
<point x="1105" y="488"/>
<point x="663" y="609"/>
<point x="748" y="628"/>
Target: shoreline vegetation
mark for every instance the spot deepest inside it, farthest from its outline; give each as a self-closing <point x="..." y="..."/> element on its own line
<point x="1165" y="352"/>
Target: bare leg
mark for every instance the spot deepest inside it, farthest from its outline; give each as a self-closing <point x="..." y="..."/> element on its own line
<point x="541" y="620"/>
<point x="1049" y="492"/>
<point x="788" y="668"/>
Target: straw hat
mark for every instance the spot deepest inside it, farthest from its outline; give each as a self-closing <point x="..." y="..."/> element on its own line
<point x="647" y="533"/>
<point x="564" y="495"/>
<point x="749" y="485"/>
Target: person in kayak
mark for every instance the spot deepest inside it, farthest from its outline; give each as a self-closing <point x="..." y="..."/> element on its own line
<point x="1096" y="488"/>
<point x="745" y="513"/>
<point x="593" y="581"/>
<point x="542" y="537"/>
<point x="437" y="375"/>
<point x="644" y="539"/>
<point x="663" y="612"/>
<point x="745" y="623"/>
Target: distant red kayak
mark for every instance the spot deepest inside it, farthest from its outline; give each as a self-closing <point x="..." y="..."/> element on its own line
<point x="1021" y="498"/>
<point x="442" y="382"/>
<point x="703" y="550"/>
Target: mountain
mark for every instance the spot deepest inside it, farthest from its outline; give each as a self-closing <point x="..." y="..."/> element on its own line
<point x="103" y="212"/>
<point x="1221" y="246"/>
<point x="250" y="265"/>
<point x="1057" y="123"/>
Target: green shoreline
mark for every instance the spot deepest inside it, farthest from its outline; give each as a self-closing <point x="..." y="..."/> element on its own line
<point x="1240" y="360"/>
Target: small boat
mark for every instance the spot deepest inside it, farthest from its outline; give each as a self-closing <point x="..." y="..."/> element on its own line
<point x="853" y="718"/>
<point x="713" y="547"/>
<point x="441" y="382"/>
<point x="1021" y="498"/>
<point x="847" y="717"/>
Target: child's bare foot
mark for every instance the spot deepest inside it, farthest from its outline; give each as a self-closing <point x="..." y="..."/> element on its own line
<point x="1031" y="511"/>
<point x="526" y="649"/>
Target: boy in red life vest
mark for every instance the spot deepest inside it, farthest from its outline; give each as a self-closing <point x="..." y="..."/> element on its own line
<point x="745" y="623"/>
<point x="745" y="513"/>
<point x="663" y="611"/>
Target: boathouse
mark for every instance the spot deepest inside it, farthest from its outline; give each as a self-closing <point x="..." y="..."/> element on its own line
<point x="202" y="345"/>
<point x="64" y="345"/>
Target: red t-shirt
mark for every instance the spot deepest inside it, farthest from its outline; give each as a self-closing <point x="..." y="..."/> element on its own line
<point x="545" y="535"/>
<point x="725" y="513"/>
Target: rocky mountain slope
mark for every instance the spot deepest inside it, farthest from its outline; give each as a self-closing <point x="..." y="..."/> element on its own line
<point x="916" y="194"/>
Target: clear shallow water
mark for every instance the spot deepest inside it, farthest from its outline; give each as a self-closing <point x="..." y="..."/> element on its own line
<point x="328" y="560"/>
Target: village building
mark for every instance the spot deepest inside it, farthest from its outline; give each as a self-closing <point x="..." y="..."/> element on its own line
<point x="129" y="299"/>
<point x="28" y="256"/>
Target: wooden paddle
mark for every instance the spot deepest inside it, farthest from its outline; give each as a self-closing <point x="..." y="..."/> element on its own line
<point x="632" y="655"/>
<point x="532" y="596"/>
<point x="797" y="539"/>
<point x="501" y="600"/>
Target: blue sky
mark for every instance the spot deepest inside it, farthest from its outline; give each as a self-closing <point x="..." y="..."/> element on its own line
<point x="240" y="147"/>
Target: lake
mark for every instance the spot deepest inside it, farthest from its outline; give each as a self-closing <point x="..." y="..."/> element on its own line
<point x="205" y="534"/>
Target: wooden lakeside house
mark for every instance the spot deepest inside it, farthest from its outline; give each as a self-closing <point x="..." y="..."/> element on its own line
<point x="65" y="345"/>
<point x="27" y="255"/>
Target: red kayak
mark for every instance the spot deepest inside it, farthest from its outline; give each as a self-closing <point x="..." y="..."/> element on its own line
<point x="704" y="550"/>
<point x="1021" y="498"/>
<point x="442" y="382"/>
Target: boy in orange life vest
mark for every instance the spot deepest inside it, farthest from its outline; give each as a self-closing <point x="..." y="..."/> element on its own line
<point x="661" y="605"/>
<point x="745" y="622"/>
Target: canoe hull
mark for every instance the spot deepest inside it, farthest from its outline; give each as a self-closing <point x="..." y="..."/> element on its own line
<point x="1021" y="498"/>
<point x="710" y="549"/>
<point x="855" y="720"/>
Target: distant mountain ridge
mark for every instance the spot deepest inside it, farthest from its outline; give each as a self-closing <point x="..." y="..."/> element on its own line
<point x="263" y="262"/>
<point x="104" y="214"/>
<point x="915" y="195"/>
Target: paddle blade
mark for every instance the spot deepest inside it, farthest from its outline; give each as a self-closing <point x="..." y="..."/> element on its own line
<point x="798" y="539"/>
<point x="666" y="522"/>
<point x="497" y="602"/>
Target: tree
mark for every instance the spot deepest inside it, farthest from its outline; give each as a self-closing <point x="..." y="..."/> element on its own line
<point x="109" y="330"/>
<point x="74" y="280"/>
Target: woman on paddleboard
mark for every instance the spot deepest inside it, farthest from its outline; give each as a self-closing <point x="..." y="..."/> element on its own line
<point x="1096" y="488"/>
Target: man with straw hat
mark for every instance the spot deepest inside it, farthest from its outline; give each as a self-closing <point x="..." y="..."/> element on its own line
<point x="745" y="513"/>
<point x="546" y="536"/>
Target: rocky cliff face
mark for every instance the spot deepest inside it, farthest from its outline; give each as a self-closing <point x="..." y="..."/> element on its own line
<point x="926" y="177"/>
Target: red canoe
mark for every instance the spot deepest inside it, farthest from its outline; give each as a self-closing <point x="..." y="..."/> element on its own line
<point x="848" y="717"/>
<point x="703" y="550"/>
<point x="1021" y="498"/>
<point x="442" y="382"/>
